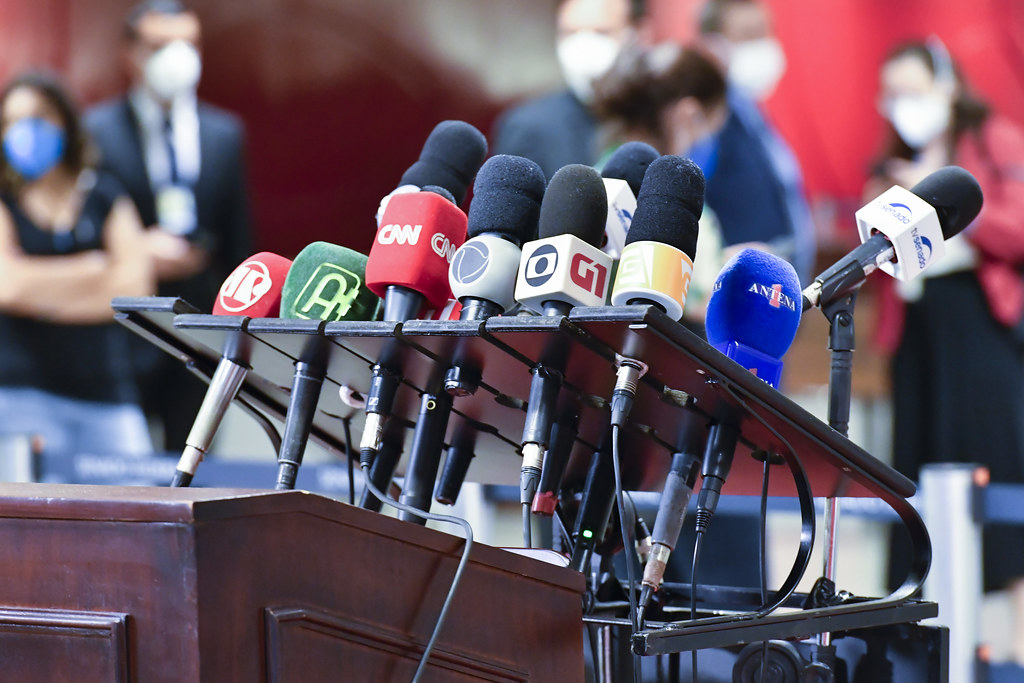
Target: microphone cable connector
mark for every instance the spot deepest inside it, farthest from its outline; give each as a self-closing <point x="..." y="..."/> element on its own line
<point x="626" y="377"/>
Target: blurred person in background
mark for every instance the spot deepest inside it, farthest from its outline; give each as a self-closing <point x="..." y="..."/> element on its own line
<point x="754" y="182"/>
<point x="183" y="164"/>
<point x="70" y="241"/>
<point x="956" y="332"/>
<point x="560" y="128"/>
<point x="673" y="98"/>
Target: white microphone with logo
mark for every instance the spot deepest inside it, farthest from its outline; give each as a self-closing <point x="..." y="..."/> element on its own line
<point x="623" y="175"/>
<point x="903" y="232"/>
<point x="562" y="269"/>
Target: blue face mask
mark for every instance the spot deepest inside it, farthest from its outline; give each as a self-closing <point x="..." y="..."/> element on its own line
<point x="33" y="146"/>
<point x="704" y="153"/>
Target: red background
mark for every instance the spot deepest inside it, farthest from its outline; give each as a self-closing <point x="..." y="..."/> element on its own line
<point x="339" y="96"/>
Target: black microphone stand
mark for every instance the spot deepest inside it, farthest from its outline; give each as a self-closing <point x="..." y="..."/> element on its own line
<point x="841" y="342"/>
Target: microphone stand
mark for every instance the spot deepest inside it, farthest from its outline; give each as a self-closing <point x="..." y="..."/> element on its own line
<point x="841" y="342"/>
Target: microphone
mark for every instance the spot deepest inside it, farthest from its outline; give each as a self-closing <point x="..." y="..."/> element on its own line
<point x="252" y="289"/>
<point x="504" y="214"/>
<point x="507" y="195"/>
<point x="450" y="158"/>
<point x="409" y="259"/>
<point x="752" y="317"/>
<point x="326" y="283"/>
<point x="408" y="266"/>
<point x="623" y="175"/>
<point x="753" y="314"/>
<point x="562" y="269"/>
<point x="902" y="232"/>
<point x="657" y="259"/>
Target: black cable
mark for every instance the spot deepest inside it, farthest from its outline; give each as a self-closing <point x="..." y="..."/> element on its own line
<point x="693" y="594"/>
<point x="627" y="547"/>
<point x="567" y="545"/>
<point x="527" y="527"/>
<point x="467" y="530"/>
<point x="762" y="555"/>
<point x="351" y="463"/>
<point x="807" y="514"/>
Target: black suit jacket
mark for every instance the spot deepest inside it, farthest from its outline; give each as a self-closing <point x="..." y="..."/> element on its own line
<point x="222" y="200"/>
<point x="552" y="130"/>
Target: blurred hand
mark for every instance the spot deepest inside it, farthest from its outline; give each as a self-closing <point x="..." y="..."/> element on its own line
<point x="174" y="258"/>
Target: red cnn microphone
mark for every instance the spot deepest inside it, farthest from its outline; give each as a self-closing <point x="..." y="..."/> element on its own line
<point x="252" y="289"/>
<point x="408" y="263"/>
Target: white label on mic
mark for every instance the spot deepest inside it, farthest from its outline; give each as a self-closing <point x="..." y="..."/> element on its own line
<point x="911" y="225"/>
<point x="562" y="268"/>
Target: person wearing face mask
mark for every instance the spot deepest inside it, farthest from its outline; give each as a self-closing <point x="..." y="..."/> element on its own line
<point x="955" y="333"/>
<point x="751" y="158"/>
<point x="560" y="128"/>
<point x="70" y="241"/>
<point x="182" y="162"/>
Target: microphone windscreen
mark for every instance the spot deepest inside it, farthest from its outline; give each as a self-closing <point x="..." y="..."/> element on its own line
<point x="506" y="199"/>
<point x="956" y="196"/>
<point x="629" y="163"/>
<point x="669" y="205"/>
<point x="574" y="203"/>
<point x="437" y="189"/>
<point x="328" y="282"/>
<point x="450" y="158"/>
<point x="254" y="288"/>
<point x="755" y="301"/>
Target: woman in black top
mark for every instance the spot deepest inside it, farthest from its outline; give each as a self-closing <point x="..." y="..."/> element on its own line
<point x="69" y="243"/>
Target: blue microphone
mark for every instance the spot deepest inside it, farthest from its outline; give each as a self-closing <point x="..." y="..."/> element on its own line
<point x="754" y="312"/>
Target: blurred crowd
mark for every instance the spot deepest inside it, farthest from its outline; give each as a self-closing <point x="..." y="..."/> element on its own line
<point x="146" y="194"/>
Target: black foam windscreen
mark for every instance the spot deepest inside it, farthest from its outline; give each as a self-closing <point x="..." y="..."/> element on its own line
<point x="437" y="189"/>
<point x="629" y="163"/>
<point x="507" y="196"/>
<point x="450" y="158"/>
<point x="669" y="204"/>
<point x="956" y="196"/>
<point x="575" y="203"/>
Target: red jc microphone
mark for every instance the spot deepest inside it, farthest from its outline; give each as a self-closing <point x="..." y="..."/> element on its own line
<point x="253" y="289"/>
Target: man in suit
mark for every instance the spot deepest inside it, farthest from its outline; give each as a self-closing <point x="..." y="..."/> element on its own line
<point x="559" y="128"/>
<point x="182" y="163"/>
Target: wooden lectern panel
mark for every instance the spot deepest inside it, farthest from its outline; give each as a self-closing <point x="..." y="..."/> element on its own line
<point x="224" y="585"/>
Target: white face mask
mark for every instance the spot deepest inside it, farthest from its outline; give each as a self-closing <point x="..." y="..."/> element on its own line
<point x="919" y="119"/>
<point x="585" y="57"/>
<point x="755" y="67"/>
<point x="173" y="70"/>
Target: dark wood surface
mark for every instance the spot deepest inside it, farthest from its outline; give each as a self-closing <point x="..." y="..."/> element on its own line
<point x="159" y="584"/>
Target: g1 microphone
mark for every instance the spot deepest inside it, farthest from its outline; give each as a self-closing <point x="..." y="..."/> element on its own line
<point x="562" y="269"/>
<point x="753" y="313"/>
<point x="657" y="260"/>
<point x="903" y="232"/>
<point x="450" y="158"/>
<point x="565" y="267"/>
<point x="623" y="175"/>
<point x="327" y="282"/>
<point x="504" y="213"/>
<point x="252" y="289"/>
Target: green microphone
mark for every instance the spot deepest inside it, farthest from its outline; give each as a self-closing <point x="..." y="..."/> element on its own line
<point x="326" y="282"/>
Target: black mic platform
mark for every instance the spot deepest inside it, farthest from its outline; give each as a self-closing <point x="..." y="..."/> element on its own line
<point x="684" y="374"/>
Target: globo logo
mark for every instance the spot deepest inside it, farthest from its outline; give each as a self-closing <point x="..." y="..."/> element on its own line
<point x="541" y="265"/>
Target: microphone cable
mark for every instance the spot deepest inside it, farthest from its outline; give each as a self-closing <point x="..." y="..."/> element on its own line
<point x="456" y="579"/>
<point x="627" y="547"/>
<point x="347" y="424"/>
<point x="762" y="553"/>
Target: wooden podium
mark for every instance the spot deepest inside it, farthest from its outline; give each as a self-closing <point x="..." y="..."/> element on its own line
<point x="159" y="584"/>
